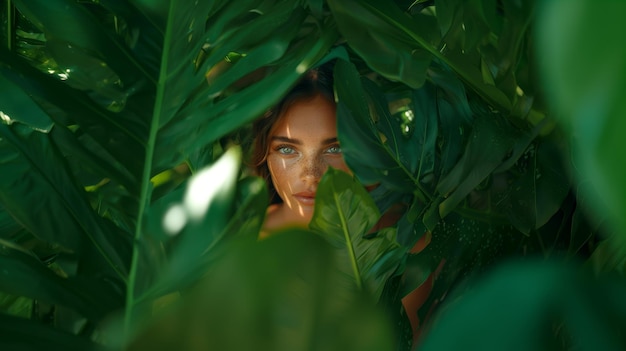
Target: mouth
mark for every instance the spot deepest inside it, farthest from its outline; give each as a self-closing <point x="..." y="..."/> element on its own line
<point x="306" y="198"/>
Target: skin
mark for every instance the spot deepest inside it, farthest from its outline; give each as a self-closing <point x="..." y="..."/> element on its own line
<point x="303" y="144"/>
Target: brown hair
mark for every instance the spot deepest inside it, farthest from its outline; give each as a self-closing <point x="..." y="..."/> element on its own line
<point x="317" y="81"/>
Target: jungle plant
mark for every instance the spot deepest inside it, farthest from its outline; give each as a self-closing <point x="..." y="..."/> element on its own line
<point x="124" y="126"/>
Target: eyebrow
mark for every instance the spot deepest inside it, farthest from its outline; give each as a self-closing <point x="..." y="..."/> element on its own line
<point x="298" y="142"/>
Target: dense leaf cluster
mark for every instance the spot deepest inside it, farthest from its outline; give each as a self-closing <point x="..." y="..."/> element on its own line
<point x="126" y="208"/>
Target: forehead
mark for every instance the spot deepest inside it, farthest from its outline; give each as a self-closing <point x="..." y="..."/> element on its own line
<point x="307" y="118"/>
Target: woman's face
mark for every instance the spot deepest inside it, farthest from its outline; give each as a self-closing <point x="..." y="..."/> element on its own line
<point x="302" y="144"/>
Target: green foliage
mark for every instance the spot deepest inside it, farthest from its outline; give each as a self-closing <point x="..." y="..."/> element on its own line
<point x="283" y="293"/>
<point x="120" y="186"/>
<point x="344" y="215"/>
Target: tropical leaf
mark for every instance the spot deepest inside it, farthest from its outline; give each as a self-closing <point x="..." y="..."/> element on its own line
<point x="379" y="35"/>
<point x="537" y="194"/>
<point x="364" y="151"/>
<point x="588" y="318"/>
<point x="22" y="334"/>
<point x="17" y="106"/>
<point x="31" y="278"/>
<point x="61" y="215"/>
<point x="585" y="83"/>
<point x="488" y="145"/>
<point x="344" y="215"/>
<point x="282" y="293"/>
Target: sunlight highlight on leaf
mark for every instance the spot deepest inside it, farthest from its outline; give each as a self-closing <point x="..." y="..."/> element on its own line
<point x="205" y="187"/>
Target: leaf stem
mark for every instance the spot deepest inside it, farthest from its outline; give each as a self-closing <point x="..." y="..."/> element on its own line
<point x="145" y="194"/>
<point x="349" y="246"/>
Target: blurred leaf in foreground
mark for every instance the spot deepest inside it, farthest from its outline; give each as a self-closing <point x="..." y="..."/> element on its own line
<point x="278" y="294"/>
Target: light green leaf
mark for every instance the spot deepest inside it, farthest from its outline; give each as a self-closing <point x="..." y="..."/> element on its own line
<point x="282" y="293"/>
<point x="344" y="215"/>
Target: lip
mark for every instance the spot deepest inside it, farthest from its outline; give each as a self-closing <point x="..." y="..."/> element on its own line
<point x="305" y="197"/>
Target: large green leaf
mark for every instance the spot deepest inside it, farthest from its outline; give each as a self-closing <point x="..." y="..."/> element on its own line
<point x="586" y="80"/>
<point x="364" y="151"/>
<point x="589" y="312"/>
<point x="17" y="105"/>
<point x="489" y="143"/>
<point x="26" y="276"/>
<point x="344" y="215"/>
<point x="204" y="119"/>
<point x="44" y="198"/>
<point x="116" y="134"/>
<point x="377" y="34"/>
<point x="282" y="293"/>
<point x="539" y="190"/>
<point x="22" y="334"/>
<point x="76" y="30"/>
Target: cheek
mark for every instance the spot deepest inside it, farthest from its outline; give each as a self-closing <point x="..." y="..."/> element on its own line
<point x="340" y="164"/>
<point x="279" y="171"/>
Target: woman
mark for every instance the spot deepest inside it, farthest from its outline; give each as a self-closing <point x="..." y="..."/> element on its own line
<point x="295" y="143"/>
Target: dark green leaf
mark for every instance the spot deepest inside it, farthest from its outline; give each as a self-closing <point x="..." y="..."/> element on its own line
<point x="18" y="106"/>
<point x="363" y="149"/>
<point x="25" y="275"/>
<point x="344" y="214"/>
<point x="387" y="39"/>
<point x="76" y="30"/>
<point x="44" y="198"/>
<point x="488" y="145"/>
<point x="532" y="199"/>
<point x="28" y="335"/>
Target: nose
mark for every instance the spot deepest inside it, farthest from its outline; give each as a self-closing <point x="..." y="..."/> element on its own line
<point x="313" y="169"/>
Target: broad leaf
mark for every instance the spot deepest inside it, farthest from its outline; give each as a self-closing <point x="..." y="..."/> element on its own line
<point x="23" y="334"/>
<point x="344" y="215"/>
<point x="282" y="293"/>
<point x="488" y="145"/>
<point x="532" y="199"/>
<point x="44" y="198"/>
<point x="589" y="318"/>
<point x="18" y="106"/>
<point x="385" y="38"/>
<point x="29" y="277"/>
<point x="364" y="151"/>
<point x="586" y="80"/>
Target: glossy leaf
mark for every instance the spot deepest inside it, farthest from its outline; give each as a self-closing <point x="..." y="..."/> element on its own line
<point x="344" y="215"/>
<point x="17" y="106"/>
<point x="72" y="25"/>
<point x="119" y="134"/>
<point x="45" y="199"/>
<point x="363" y="149"/>
<point x="379" y="35"/>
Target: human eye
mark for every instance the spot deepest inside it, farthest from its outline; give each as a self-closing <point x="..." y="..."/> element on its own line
<point x="285" y="150"/>
<point x="334" y="149"/>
